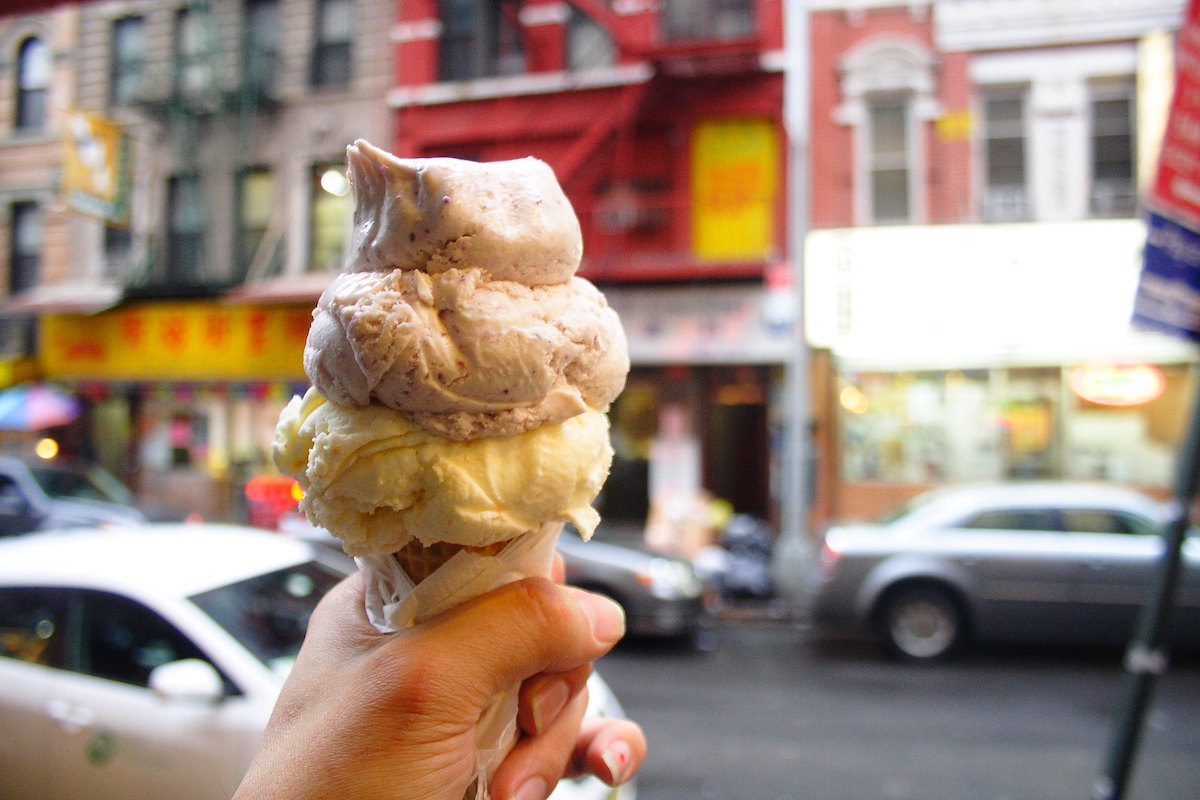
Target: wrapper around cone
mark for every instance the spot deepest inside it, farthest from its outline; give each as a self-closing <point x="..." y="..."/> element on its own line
<point x="461" y="373"/>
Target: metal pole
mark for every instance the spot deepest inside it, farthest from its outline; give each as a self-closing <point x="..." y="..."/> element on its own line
<point x="794" y="500"/>
<point x="1147" y="656"/>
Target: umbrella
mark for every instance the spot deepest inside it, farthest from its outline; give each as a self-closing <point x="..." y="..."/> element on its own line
<point x="34" y="406"/>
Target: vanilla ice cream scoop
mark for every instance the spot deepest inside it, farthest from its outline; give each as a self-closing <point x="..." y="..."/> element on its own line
<point x="464" y="356"/>
<point x="379" y="481"/>
<point x="508" y="218"/>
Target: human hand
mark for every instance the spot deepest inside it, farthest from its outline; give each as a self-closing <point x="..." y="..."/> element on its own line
<point x="372" y="715"/>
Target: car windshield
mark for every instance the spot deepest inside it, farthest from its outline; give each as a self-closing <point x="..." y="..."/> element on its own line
<point x="82" y="483"/>
<point x="269" y="613"/>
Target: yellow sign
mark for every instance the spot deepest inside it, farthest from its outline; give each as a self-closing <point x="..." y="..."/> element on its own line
<point x="735" y="188"/>
<point x="176" y="341"/>
<point x="95" y="171"/>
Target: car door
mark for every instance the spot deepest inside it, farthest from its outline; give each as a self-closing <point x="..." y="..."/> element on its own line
<point x="1014" y="557"/>
<point x="1115" y="557"/>
<point x="32" y="652"/>
<point x="117" y="738"/>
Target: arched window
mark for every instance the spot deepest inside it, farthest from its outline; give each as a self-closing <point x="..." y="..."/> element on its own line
<point x="33" y="83"/>
<point x="887" y="92"/>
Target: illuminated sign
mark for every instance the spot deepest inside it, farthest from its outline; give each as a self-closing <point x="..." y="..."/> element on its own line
<point x="1118" y="384"/>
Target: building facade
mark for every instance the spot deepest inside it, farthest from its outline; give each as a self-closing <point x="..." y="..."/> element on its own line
<point x="977" y="169"/>
<point x="173" y="183"/>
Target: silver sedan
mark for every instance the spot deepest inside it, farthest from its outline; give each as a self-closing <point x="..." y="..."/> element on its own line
<point x="1049" y="562"/>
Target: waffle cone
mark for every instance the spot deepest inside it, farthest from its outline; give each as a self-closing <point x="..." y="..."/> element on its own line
<point x="419" y="561"/>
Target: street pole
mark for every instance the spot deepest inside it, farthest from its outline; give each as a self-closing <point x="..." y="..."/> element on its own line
<point x="1147" y="655"/>
<point x="796" y="480"/>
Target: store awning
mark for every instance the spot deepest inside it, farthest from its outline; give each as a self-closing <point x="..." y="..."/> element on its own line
<point x="306" y="288"/>
<point x="62" y="298"/>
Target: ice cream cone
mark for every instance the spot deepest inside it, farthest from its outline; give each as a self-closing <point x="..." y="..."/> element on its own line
<point x="420" y="561"/>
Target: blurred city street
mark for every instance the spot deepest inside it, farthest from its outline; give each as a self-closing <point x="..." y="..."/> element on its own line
<point x="769" y="713"/>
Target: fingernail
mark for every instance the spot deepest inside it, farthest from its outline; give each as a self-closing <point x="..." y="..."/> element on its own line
<point x="534" y="788"/>
<point x="616" y="757"/>
<point x="547" y="704"/>
<point x="607" y="618"/>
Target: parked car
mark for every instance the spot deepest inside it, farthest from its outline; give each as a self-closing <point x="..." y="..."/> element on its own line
<point x="143" y="661"/>
<point x="37" y="494"/>
<point x="1050" y="562"/>
<point x="661" y="594"/>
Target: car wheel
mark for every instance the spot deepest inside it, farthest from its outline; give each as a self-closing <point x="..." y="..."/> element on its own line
<point x="921" y="623"/>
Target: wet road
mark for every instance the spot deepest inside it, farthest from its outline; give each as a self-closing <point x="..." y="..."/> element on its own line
<point x="771" y="714"/>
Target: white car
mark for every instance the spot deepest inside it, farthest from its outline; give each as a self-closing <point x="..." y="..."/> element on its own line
<point x="143" y="662"/>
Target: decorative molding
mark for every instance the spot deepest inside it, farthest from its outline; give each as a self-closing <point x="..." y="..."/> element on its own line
<point x="996" y="24"/>
<point x="518" y="85"/>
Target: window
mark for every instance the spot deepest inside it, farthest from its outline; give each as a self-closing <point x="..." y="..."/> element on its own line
<point x="127" y="60"/>
<point x="480" y="39"/>
<point x="887" y="88"/>
<point x="331" y="51"/>
<point x="256" y="203"/>
<point x="118" y="252"/>
<point x="33" y="84"/>
<point x="124" y="641"/>
<point x="185" y="229"/>
<point x="25" y="247"/>
<point x="589" y="45"/>
<point x="1099" y="520"/>
<point x="1014" y="519"/>
<point x="1004" y="156"/>
<point x="1113" y="122"/>
<point x="888" y="156"/>
<point x="193" y="65"/>
<point x="33" y="625"/>
<point x="329" y="216"/>
<point x="707" y="20"/>
<point x="260" y="47"/>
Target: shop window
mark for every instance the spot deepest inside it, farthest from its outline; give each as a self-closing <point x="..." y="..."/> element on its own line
<point x="185" y="232"/>
<point x="260" y="47"/>
<point x="480" y="39"/>
<point x="25" y="246"/>
<point x="33" y="84"/>
<point x="257" y="245"/>
<point x="333" y="35"/>
<point x="1004" y="137"/>
<point x="329" y="214"/>
<point x="589" y="45"/>
<point x="127" y="60"/>
<point x="1113" y="120"/>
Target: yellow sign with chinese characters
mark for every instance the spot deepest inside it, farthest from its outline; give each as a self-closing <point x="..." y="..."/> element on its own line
<point x="735" y="189"/>
<point x="176" y="341"/>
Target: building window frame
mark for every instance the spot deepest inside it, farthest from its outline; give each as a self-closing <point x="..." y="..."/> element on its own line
<point x="185" y="228"/>
<point x="332" y="51"/>
<point x="261" y="45"/>
<point x="1004" y="143"/>
<point x="193" y="78"/>
<point x="32" y="84"/>
<point x="479" y="39"/>
<point x="329" y="216"/>
<point x="884" y="70"/>
<point x="255" y="204"/>
<point x="127" y="60"/>
<point x="1112" y="148"/>
<point x="25" y="244"/>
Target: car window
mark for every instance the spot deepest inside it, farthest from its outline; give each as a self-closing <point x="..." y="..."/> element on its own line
<point x="32" y="625"/>
<point x="123" y="640"/>
<point x="1099" y="520"/>
<point x="269" y="613"/>
<point x="90" y="483"/>
<point x="1013" y="519"/>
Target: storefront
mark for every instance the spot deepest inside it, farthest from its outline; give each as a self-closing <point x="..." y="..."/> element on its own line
<point x="975" y="353"/>
<point x="702" y="410"/>
<point x="182" y="396"/>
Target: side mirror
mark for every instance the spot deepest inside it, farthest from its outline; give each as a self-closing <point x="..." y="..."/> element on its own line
<point x="191" y="680"/>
